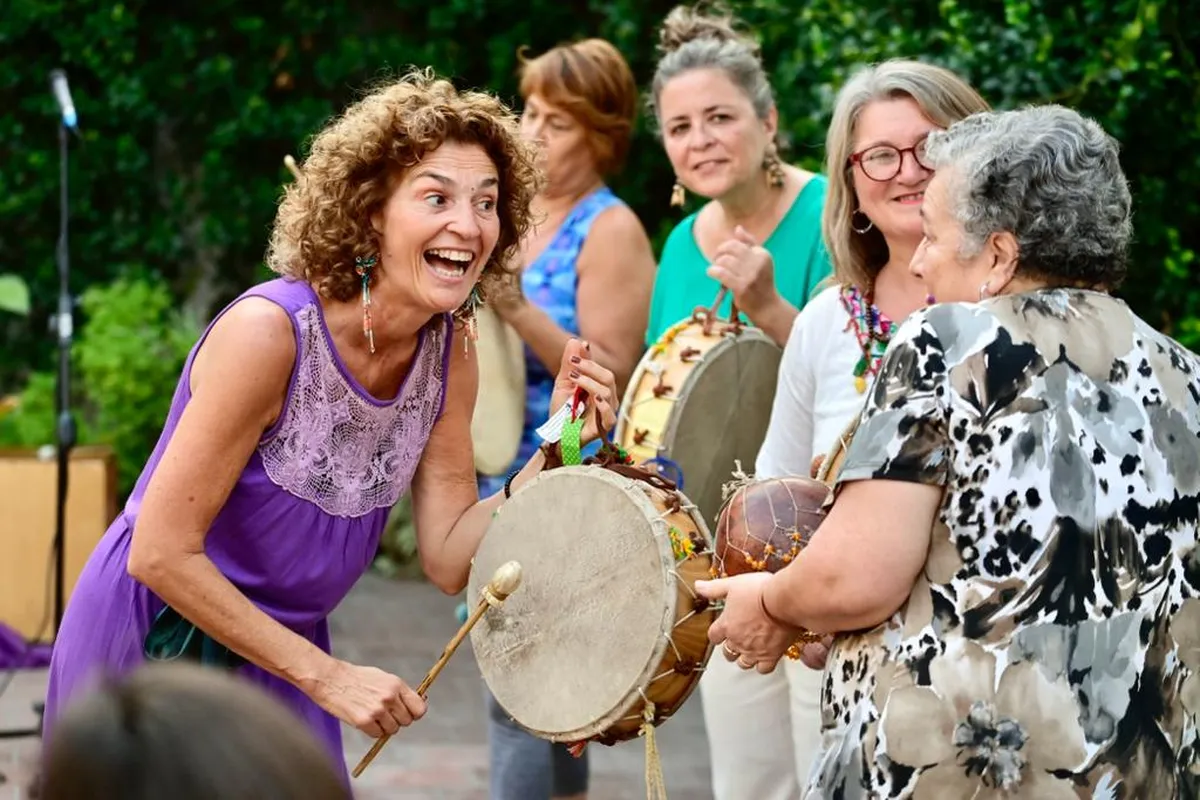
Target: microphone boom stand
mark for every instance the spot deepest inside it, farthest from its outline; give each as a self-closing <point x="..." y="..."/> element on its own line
<point x="63" y="326"/>
<point x="65" y="429"/>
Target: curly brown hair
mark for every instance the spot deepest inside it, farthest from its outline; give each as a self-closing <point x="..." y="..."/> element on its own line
<point x="324" y="219"/>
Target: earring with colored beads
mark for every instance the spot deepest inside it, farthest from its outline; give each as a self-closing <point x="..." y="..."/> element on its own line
<point x="363" y="267"/>
<point x="467" y="314"/>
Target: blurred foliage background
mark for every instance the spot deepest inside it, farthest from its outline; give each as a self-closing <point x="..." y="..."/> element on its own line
<point x="187" y="110"/>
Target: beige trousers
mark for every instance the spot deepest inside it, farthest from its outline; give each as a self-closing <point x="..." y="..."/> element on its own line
<point x="763" y="730"/>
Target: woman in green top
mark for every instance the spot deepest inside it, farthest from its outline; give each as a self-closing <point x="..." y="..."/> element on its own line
<point x="760" y="233"/>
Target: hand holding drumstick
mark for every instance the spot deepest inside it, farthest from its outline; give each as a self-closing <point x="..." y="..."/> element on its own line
<point x="505" y="581"/>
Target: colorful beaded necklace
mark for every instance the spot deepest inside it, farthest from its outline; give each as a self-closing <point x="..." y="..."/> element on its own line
<point x="872" y="329"/>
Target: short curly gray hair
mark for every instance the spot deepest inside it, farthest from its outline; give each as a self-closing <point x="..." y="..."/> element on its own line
<point x="1049" y="176"/>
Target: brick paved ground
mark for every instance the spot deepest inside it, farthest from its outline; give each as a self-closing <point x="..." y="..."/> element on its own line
<point x="402" y="626"/>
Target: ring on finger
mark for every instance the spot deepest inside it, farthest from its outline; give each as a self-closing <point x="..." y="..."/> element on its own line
<point x="730" y="653"/>
<point x="743" y="663"/>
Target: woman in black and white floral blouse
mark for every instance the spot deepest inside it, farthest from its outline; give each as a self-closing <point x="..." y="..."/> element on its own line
<point x="1012" y="563"/>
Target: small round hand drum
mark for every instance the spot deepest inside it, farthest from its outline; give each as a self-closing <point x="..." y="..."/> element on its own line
<point x="607" y="628"/>
<point x="766" y="523"/>
<point x="764" y="526"/>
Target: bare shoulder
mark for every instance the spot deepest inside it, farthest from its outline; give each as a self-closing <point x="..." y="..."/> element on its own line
<point x="801" y="175"/>
<point x="617" y="231"/>
<point x="250" y="350"/>
<point x="620" y="221"/>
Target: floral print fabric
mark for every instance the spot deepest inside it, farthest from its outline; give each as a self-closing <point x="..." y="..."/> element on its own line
<point x="1051" y="647"/>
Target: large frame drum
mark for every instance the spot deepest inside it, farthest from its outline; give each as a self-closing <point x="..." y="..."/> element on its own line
<point x="700" y="401"/>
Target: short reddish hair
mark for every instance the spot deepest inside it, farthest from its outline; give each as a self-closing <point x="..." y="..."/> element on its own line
<point x="592" y="82"/>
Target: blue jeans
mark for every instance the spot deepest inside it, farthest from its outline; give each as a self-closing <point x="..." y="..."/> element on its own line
<point x="524" y="767"/>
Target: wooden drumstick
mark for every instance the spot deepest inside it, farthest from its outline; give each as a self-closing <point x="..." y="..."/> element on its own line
<point x="505" y="581"/>
<point x="290" y="163"/>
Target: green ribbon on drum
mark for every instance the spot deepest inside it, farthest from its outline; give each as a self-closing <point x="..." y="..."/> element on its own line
<point x="571" y="442"/>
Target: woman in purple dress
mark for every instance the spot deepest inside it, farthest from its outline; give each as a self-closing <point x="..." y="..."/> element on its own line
<point x="312" y="403"/>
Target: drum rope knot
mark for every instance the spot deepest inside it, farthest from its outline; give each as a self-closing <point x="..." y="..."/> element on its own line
<point x="740" y="479"/>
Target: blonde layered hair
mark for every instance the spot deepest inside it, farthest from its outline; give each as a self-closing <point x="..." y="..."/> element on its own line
<point x="943" y="97"/>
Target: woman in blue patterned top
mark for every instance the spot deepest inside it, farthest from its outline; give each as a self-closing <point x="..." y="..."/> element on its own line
<point x="588" y="272"/>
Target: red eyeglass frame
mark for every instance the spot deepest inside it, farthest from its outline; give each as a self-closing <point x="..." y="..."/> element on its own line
<point x="856" y="159"/>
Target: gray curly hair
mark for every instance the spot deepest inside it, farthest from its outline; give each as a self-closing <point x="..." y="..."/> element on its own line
<point x="1049" y="176"/>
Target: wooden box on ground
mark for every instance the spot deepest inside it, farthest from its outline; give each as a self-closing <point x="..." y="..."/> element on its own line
<point x="28" y="496"/>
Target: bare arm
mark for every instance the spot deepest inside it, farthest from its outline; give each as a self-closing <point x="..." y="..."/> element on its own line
<point x="615" y="270"/>
<point x="450" y="517"/>
<point x="237" y="391"/>
<point x="775" y="319"/>
<point x="886" y="526"/>
<point x="890" y="487"/>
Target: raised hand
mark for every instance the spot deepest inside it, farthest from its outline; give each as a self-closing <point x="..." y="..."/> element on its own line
<point x="579" y="371"/>
<point x="743" y="266"/>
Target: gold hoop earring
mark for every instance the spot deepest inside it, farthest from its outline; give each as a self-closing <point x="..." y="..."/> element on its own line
<point x="678" y="196"/>
<point x="855" y="228"/>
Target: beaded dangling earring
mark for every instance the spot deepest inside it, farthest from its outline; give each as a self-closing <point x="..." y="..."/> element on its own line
<point x="467" y="314"/>
<point x="363" y="267"/>
<point x="677" y="195"/>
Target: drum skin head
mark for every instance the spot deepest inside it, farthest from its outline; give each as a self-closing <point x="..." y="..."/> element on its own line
<point x="567" y="652"/>
<point x="722" y="416"/>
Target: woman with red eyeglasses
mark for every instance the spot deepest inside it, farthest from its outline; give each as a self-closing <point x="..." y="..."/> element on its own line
<point x="765" y="729"/>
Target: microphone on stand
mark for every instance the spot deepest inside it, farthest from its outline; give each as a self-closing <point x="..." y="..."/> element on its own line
<point x="65" y="431"/>
<point x="62" y="93"/>
<point x="63" y="327"/>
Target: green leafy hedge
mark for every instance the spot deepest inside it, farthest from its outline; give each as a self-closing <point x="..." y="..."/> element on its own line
<point x="188" y="109"/>
<point x="126" y="364"/>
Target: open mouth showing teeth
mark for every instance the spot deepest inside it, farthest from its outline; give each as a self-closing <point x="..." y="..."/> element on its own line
<point x="449" y="263"/>
<point x="908" y="198"/>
